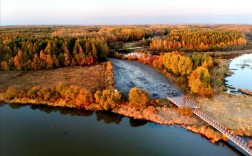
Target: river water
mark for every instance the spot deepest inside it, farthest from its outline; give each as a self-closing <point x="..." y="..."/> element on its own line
<point x="45" y="131"/>
<point x="242" y="69"/>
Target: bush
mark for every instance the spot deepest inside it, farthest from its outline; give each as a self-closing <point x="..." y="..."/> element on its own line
<point x="32" y="93"/>
<point x="185" y="111"/>
<point x="108" y="98"/>
<point x="84" y="98"/>
<point x="4" y="66"/>
<point x="11" y="93"/>
<point x="138" y="97"/>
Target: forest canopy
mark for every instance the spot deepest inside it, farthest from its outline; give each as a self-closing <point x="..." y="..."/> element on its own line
<point x="50" y="47"/>
<point x="199" y="40"/>
<point x="19" y="52"/>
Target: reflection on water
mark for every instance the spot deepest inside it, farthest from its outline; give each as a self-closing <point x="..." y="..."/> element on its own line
<point x="242" y="69"/>
<point x="40" y="130"/>
<point x="63" y="111"/>
<point x="108" y="117"/>
<point x="137" y="123"/>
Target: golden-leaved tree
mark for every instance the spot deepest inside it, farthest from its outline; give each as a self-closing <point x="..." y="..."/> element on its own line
<point x="108" y="98"/>
<point x="138" y="97"/>
<point x="199" y="81"/>
<point x="177" y="63"/>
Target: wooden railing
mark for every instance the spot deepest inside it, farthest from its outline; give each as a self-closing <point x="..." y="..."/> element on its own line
<point x="236" y="139"/>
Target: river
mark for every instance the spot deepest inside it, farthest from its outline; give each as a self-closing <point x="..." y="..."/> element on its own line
<point x="28" y="130"/>
<point x="242" y="72"/>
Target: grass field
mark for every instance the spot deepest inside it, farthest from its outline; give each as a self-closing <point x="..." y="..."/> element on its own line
<point x="232" y="111"/>
<point x="84" y="77"/>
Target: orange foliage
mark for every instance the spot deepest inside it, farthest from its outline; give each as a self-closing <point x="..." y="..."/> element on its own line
<point x="177" y="64"/>
<point x="199" y="81"/>
<point x="198" y="39"/>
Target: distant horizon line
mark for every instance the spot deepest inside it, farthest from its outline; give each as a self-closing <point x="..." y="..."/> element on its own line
<point x="124" y="24"/>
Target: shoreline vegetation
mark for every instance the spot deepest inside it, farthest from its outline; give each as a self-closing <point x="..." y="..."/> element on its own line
<point x="63" y="67"/>
<point x="158" y="111"/>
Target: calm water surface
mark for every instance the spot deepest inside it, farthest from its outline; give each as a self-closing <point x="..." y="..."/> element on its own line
<point x="242" y="68"/>
<point x="44" y="131"/>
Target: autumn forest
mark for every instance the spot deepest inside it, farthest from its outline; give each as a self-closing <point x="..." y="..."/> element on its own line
<point x="169" y="49"/>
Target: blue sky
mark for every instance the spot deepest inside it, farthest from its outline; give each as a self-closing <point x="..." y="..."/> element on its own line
<point x="83" y="12"/>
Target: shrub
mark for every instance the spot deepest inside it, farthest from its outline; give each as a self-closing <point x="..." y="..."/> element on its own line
<point x="138" y="97"/>
<point x="11" y="93"/>
<point x="32" y="93"/>
<point x="4" y="66"/>
<point x="108" y="98"/>
<point x="84" y="98"/>
<point x="185" y="111"/>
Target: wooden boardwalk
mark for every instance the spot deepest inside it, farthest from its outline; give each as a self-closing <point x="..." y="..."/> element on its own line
<point x="180" y="102"/>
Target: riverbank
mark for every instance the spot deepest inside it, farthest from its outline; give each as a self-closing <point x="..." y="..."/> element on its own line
<point x="238" y="106"/>
<point x="245" y="91"/>
<point x="228" y="54"/>
<point x="161" y="115"/>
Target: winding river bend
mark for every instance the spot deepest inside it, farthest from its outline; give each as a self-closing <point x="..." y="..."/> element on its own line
<point x="28" y="130"/>
<point x="242" y="72"/>
<point x="39" y="130"/>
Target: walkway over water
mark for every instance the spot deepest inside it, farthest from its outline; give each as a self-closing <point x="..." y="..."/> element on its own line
<point x="182" y="101"/>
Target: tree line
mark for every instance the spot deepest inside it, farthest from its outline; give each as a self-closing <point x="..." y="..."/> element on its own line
<point x="199" y="40"/>
<point x="42" y="47"/>
<point x="24" y="52"/>
<point x="75" y="96"/>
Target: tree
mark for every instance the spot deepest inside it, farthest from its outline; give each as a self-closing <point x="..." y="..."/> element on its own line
<point x="49" y="62"/>
<point x="4" y="66"/>
<point x="55" y="61"/>
<point x="199" y="81"/>
<point x="108" y="98"/>
<point x="84" y="98"/>
<point x="19" y="60"/>
<point x="67" y="57"/>
<point x="48" y="49"/>
<point x="138" y="97"/>
<point x="185" y="66"/>
<point x="42" y="55"/>
<point x="177" y="64"/>
<point x="94" y="51"/>
<point x="11" y="93"/>
<point x="35" y="65"/>
<point x="32" y="93"/>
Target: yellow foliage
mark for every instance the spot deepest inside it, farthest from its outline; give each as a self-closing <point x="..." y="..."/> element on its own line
<point x="138" y="97"/>
<point x="109" y="67"/>
<point x="199" y="81"/>
<point x="84" y="98"/>
<point x="108" y="98"/>
<point x="177" y="64"/>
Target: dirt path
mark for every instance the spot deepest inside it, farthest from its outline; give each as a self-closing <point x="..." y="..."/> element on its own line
<point x="129" y="74"/>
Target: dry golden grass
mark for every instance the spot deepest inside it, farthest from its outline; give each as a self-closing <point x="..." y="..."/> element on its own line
<point x="232" y="111"/>
<point x="84" y="77"/>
